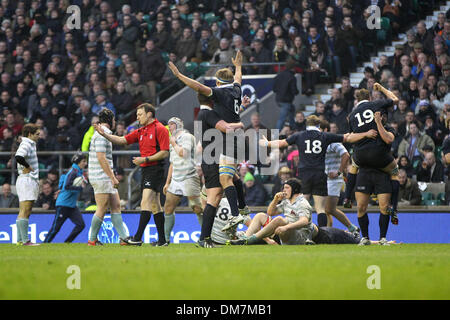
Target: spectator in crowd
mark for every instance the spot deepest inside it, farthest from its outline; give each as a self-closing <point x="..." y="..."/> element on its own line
<point x="259" y="55"/>
<point x="300" y="121"/>
<point x="339" y="116"/>
<point x="320" y="109"/>
<point x="83" y="117"/>
<point x="285" y="88"/>
<point x="10" y="122"/>
<point x="139" y="91"/>
<point x="430" y="170"/>
<point x="46" y="199"/>
<point x="409" y="192"/>
<point x="405" y="164"/>
<point x="347" y="92"/>
<point x="284" y="173"/>
<point x="126" y="36"/>
<point x="152" y="67"/>
<point x="101" y="102"/>
<point x="7" y="199"/>
<point x="314" y="68"/>
<point x="255" y="195"/>
<point x="413" y="144"/>
<point x="121" y="99"/>
<point x="187" y="44"/>
<point x="207" y="46"/>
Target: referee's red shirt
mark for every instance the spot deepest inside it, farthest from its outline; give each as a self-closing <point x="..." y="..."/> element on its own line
<point x="152" y="138"/>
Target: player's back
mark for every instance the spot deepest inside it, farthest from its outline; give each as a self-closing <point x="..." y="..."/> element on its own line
<point x="227" y="101"/>
<point x="362" y="119"/>
<point x="312" y="146"/>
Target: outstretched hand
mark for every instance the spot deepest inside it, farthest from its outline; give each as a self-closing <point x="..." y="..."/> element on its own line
<point x="263" y="142"/>
<point x="237" y="61"/>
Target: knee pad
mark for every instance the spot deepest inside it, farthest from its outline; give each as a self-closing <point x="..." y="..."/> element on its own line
<point x="195" y="203"/>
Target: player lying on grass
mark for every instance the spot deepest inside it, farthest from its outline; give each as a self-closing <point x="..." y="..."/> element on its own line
<point x="294" y="228"/>
<point x="369" y="152"/>
<point x="222" y="216"/>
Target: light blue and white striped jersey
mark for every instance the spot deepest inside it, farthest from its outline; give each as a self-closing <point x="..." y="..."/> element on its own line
<point x="27" y="149"/>
<point x="183" y="167"/>
<point x="333" y="157"/>
<point x="99" y="144"/>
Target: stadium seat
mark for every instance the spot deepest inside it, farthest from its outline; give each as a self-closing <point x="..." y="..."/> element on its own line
<point x="191" y="67"/>
<point x="427" y="196"/>
<point x="432" y="202"/>
<point x="441" y="197"/>
<point x="42" y="174"/>
<point x="210" y="17"/>
<point x="165" y="56"/>
<point x="190" y="17"/>
<point x="203" y="67"/>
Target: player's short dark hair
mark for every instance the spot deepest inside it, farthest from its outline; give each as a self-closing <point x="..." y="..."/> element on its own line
<point x="148" y="107"/>
<point x="204" y="100"/>
<point x="29" y="129"/>
<point x="106" y="116"/>
<point x="324" y="124"/>
<point x="78" y="157"/>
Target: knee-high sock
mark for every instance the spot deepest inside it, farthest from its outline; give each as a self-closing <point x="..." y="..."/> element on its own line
<point x="350" y="185"/>
<point x="384" y="225"/>
<point x="22" y="225"/>
<point x="231" y="195"/>
<point x="18" y="233"/>
<point x="143" y="221"/>
<point x="116" y="219"/>
<point x="169" y="222"/>
<point x="95" y="227"/>
<point x="209" y="213"/>
<point x="240" y="192"/>
<point x="364" y="225"/>
<point x="322" y="219"/>
<point x="394" y="197"/>
<point x="159" y="221"/>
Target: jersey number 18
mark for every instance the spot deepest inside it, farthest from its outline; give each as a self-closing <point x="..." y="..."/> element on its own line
<point x="316" y="146"/>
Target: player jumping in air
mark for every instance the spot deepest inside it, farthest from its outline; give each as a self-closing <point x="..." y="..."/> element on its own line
<point x="227" y="103"/>
<point x="372" y="153"/>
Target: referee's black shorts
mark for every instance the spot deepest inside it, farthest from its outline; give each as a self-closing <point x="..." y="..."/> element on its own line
<point x="211" y="174"/>
<point x="153" y="178"/>
<point x="373" y="181"/>
<point x="376" y="158"/>
<point x="314" y="182"/>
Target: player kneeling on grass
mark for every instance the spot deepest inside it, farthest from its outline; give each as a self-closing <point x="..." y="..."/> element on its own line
<point x="103" y="180"/>
<point x="296" y="226"/>
<point x="182" y="178"/>
<point x="66" y="203"/>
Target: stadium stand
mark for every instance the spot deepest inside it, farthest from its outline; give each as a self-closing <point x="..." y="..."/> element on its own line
<point x="60" y="78"/>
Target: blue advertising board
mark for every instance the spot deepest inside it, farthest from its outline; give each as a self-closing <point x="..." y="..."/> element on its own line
<point x="413" y="228"/>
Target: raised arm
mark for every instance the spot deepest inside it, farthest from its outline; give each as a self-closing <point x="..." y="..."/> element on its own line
<point x="114" y="139"/>
<point x="388" y="137"/>
<point x="237" y="62"/>
<point x="386" y="92"/>
<point x="191" y="83"/>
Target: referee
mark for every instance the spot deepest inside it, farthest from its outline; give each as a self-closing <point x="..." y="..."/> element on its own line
<point x="153" y="140"/>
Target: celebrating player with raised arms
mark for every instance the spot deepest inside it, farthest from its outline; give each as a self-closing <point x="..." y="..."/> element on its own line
<point x="227" y="103"/>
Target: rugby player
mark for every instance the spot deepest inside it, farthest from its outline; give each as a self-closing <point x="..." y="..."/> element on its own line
<point x="312" y="145"/>
<point x="372" y="153"/>
<point x="103" y="180"/>
<point x="330" y="235"/>
<point x="27" y="184"/>
<point x="370" y="180"/>
<point x="209" y="119"/>
<point x="153" y="139"/>
<point x="294" y="228"/>
<point x="227" y="104"/>
<point x="336" y="161"/>
<point x="182" y="178"/>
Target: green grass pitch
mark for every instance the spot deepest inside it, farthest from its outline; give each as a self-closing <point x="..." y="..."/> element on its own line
<point x="179" y="272"/>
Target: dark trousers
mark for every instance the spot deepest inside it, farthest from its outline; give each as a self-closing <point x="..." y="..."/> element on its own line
<point x="62" y="213"/>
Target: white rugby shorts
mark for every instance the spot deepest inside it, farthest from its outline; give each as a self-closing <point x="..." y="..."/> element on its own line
<point x="103" y="187"/>
<point x="334" y="187"/>
<point x="27" y="188"/>
<point x="188" y="188"/>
